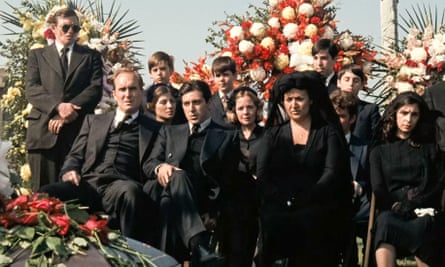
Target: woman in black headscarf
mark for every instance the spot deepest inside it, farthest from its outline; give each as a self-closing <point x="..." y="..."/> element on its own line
<point x="304" y="176"/>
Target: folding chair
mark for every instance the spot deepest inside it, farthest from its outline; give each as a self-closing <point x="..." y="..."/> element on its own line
<point x="372" y="213"/>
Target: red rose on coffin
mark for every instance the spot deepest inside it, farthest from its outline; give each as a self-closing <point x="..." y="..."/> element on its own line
<point x="20" y="202"/>
<point x="95" y="225"/>
<point x="49" y="205"/>
<point x="29" y="218"/>
<point x="62" y="222"/>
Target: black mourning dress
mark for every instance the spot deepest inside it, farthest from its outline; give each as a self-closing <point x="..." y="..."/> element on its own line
<point x="240" y="212"/>
<point x="405" y="172"/>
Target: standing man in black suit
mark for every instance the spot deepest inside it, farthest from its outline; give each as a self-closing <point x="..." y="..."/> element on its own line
<point x="104" y="168"/>
<point x="224" y="74"/>
<point x="63" y="84"/>
<point x="325" y="53"/>
<point x="435" y="98"/>
<point x="188" y="165"/>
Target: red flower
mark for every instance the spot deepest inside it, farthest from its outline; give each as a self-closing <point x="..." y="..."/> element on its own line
<point x="48" y="205"/>
<point x="49" y="34"/>
<point x="6" y="221"/>
<point x="20" y="202"/>
<point x="29" y="218"/>
<point x="93" y="224"/>
<point x="62" y="222"/>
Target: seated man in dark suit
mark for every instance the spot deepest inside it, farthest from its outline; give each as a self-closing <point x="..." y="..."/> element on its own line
<point x="103" y="169"/>
<point x="187" y="166"/>
<point x="346" y="106"/>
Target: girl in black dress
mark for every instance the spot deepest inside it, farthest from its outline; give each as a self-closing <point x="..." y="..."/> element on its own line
<point x="405" y="180"/>
<point x="240" y="215"/>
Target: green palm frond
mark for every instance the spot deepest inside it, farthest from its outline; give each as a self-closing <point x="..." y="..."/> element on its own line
<point x="420" y="17"/>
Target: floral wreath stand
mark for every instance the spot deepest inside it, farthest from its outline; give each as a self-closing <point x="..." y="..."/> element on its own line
<point x="94" y="257"/>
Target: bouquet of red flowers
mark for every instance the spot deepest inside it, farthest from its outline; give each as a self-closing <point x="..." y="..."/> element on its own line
<point x="51" y="231"/>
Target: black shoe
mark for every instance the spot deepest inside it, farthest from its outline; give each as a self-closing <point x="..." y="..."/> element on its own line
<point x="202" y="257"/>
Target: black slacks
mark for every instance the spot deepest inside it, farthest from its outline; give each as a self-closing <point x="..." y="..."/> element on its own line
<point x="123" y="200"/>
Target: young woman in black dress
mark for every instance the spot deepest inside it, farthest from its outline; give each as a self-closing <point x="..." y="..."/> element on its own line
<point x="240" y="212"/>
<point x="405" y="175"/>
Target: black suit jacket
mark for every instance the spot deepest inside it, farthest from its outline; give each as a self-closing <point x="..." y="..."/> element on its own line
<point x="332" y="86"/>
<point x="91" y="139"/>
<point x="435" y="98"/>
<point x="218" y="154"/>
<point x="368" y="117"/>
<point x="217" y="111"/>
<point x="46" y="89"/>
<point x="359" y="160"/>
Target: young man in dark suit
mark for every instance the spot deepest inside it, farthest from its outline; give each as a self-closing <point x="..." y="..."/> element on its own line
<point x="224" y="75"/>
<point x="104" y="168"/>
<point x="63" y="84"/>
<point x="351" y="78"/>
<point x="188" y="165"/>
<point x="325" y="53"/>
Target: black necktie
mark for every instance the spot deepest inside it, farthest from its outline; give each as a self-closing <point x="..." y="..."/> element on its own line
<point x="122" y="123"/>
<point x="64" y="60"/>
<point x="195" y="129"/>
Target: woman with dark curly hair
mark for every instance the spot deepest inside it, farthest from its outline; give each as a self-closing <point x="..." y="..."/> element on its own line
<point x="406" y="180"/>
<point x="304" y="176"/>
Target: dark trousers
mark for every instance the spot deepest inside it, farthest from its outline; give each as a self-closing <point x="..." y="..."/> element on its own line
<point x="180" y="215"/>
<point x="123" y="200"/>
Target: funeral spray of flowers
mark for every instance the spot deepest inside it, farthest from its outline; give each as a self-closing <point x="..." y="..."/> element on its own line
<point x="52" y="231"/>
<point x="418" y="61"/>
<point x="28" y="23"/>
<point x="278" y="38"/>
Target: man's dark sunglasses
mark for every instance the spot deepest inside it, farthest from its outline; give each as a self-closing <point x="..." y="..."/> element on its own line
<point x="66" y="28"/>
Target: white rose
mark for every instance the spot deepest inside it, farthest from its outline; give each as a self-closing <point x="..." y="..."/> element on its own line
<point x="404" y="72"/>
<point x="258" y="29"/>
<point x="290" y="30"/>
<point x="346" y="41"/>
<point x="310" y="30"/>
<point x="404" y="87"/>
<point x="226" y="54"/>
<point x="288" y="13"/>
<point x="274" y="3"/>
<point x="418" y="54"/>
<point x="306" y="47"/>
<point x="440" y="58"/>
<point x="245" y="46"/>
<point x="281" y="61"/>
<point x="328" y="33"/>
<point x="258" y="74"/>
<point x="300" y="62"/>
<point x="306" y="9"/>
<point x="274" y="22"/>
<point x="268" y="43"/>
<point x="25" y="172"/>
<point x="236" y="33"/>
